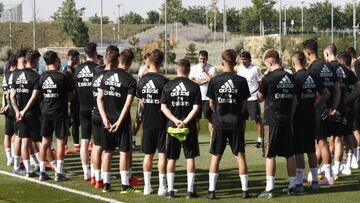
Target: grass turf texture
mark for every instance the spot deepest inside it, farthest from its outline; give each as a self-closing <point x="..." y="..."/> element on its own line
<point x="228" y="185"/>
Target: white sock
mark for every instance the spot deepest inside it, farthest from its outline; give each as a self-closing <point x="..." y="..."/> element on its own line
<point x="244" y="182"/>
<point x="34" y="159"/>
<point x="314" y="174"/>
<point x="270" y="183"/>
<point x="299" y="176"/>
<point x="37" y="155"/>
<point x="12" y="149"/>
<point x="106" y="177"/>
<point x="124" y="177"/>
<point x="162" y="181"/>
<point x="291" y="182"/>
<point x="147" y="180"/>
<point x="190" y="182"/>
<point x="17" y="162"/>
<point x="60" y="166"/>
<point x="328" y="171"/>
<point x="92" y="174"/>
<point x="27" y="165"/>
<point x="170" y="181"/>
<point x="97" y="175"/>
<point x="130" y="172"/>
<point x="8" y="154"/>
<point x="348" y="160"/>
<point x="259" y="139"/>
<point x="212" y="181"/>
<point x="42" y="167"/>
<point x="358" y="154"/>
<point x="53" y="164"/>
<point x="336" y="167"/>
<point x="86" y="171"/>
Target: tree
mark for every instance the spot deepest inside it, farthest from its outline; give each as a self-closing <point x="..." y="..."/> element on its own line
<point x="152" y="17"/>
<point x="248" y="20"/>
<point x="233" y="19"/>
<point x="171" y="56"/>
<point x="191" y="53"/>
<point x="68" y="20"/>
<point x="97" y="20"/>
<point x="196" y="14"/>
<point x="135" y="48"/>
<point x="175" y="12"/>
<point x="348" y="15"/>
<point x="263" y="10"/>
<point x="319" y="16"/>
<point x="132" y="18"/>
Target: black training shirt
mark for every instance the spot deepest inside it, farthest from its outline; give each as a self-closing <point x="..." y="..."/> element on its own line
<point x="83" y="76"/>
<point x="98" y="75"/>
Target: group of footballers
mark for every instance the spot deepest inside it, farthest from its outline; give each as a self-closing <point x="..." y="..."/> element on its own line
<point x="314" y="110"/>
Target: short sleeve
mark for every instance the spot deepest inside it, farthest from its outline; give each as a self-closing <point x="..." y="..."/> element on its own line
<point x="138" y="90"/>
<point x="164" y="97"/>
<point x="210" y="91"/>
<point x="212" y="71"/>
<point x="319" y="84"/>
<point x="37" y="84"/>
<point x="197" y="96"/>
<point x="259" y="75"/>
<point x="132" y="87"/>
<point x="264" y="86"/>
<point x="11" y="83"/>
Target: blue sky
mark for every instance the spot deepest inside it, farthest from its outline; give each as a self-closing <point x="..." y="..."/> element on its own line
<point x="44" y="11"/>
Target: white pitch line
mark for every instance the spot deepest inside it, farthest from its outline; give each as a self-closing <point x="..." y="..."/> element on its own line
<point x="78" y="192"/>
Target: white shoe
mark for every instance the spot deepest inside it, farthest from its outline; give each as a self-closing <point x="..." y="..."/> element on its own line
<point x="148" y="191"/>
<point x="162" y="191"/>
<point x="9" y="162"/>
<point x="308" y="178"/>
<point x="346" y="171"/>
<point x="354" y="163"/>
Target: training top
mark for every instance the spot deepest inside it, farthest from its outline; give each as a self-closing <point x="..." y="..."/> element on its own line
<point x="98" y="75"/>
<point x="7" y="80"/>
<point x="229" y="91"/>
<point x="196" y="73"/>
<point x="278" y="90"/>
<point x="149" y="89"/>
<point x="180" y="95"/>
<point x="83" y="76"/>
<point x="253" y="75"/>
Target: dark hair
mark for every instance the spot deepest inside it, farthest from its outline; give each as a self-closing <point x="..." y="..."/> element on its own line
<point x="273" y="54"/>
<point x="112" y="54"/>
<point x="32" y="56"/>
<point x="147" y="55"/>
<point x="245" y="54"/>
<point x="90" y="49"/>
<point x="351" y="51"/>
<point x="311" y="45"/>
<point x="346" y="57"/>
<point x="12" y="61"/>
<point x="157" y="57"/>
<point x="50" y="57"/>
<point x="73" y="53"/>
<point x="126" y="56"/>
<point x="229" y="56"/>
<point x="331" y="49"/>
<point x="300" y="57"/>
<point x="204" y="53"/>
<point x="21" y="53"/>
<point x="185" y="65"/>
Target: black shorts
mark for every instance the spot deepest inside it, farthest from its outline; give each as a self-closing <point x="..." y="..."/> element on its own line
<point x="98" y="131"/>
<point x="9" y="125"/>
<point x="60" y="127"/>
<point x="253" y="110"/>
<point x="321" y="131"/>
<point x="206" y="110"/>
<point x="278" y="141"/>
<point x="29" y="127"/>
<point x="304" y="135"/>
<point x="356" y="123"/>
<point x="153" y="139"/>
<point x="85" y="123"/>
<point x="190" y="146"/>
<point x="121" y="139"/>
<point x="139" y="113"/>
<point x="220" y="137"/>
<point x="349" y="127"/>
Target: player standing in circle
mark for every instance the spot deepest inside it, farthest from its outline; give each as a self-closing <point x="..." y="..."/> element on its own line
<point x="306" y="85"/>
<point x="328" y="77"/>
<point x="253" y="75"/>
<point x="56" y="91"/>
<point x="277" y="90"/>
<point x="69" y="70"/>
<point x="228" y="93"/>
<point x="149" y="89"/>
<point x="201" y="74"/>
<point x="115" y="96"/>
<point x="139" y="111"/>
<point x="180" y="102"/>
<point x="83" y="77"/>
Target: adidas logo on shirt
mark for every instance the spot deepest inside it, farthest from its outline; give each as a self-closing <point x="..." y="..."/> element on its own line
<point x="113" y="81"/>
<point x="326" y="72"/>
<point x="180" y="90"/>
<point x="340" y="73"/>
<point x="228" y="87"/>
<point x="309" y="83"/>
<point x="49" y="84"/>
<point x="97" y="82"/>
<point x="21" y="79"/>
<point x="85" y="73"/>
<point x="285" y="82"/>
<point x="150" y="88"/>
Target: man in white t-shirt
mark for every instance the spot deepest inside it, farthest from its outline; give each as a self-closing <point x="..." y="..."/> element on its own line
<point x="201" y="75"/>
<point x="253" y="75"/>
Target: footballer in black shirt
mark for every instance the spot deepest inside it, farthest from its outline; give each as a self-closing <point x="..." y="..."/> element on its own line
<point x="149" y="89"/>
<point x="115" y="96"/>
<point x="307" y="85"/>
<point x="180" y="102"/>
<point x="83" y="77"/>
<point x="277" y="90"/>
<point x="228" y="94"/>
<point x="56" y="91"/>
